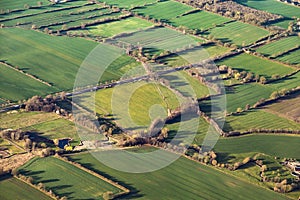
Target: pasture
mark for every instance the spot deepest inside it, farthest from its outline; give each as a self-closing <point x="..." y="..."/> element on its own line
<point x="196" y="181"/>
<point x="164" y="11"/>
<point x="65" y="179"/>
<point x="123" y="26"/>
<point x="291" y="57"/>
<point x="62" y="57"/>
<point x="238" y="33"/>
<point x="200" y="20"/>
<point x="278" y="47"/>
<point x="259" y="119"/>
<point x="256" y="65"/>
<point x="158" y="39"/>
<point x="195" y="55"/>
<point x="12" y="188"/>
<point x="17" y="86"/>
<point x="283" y="146"/>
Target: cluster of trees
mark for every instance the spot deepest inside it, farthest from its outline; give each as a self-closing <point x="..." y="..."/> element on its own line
<point x="284" y="187"/>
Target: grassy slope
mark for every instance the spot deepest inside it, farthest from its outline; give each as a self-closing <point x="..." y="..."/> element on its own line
<point x="17" y="86"/>
<point x="292" y="57"/>
<point x="194" y="182"/>
<point x="12" y="188"/>
<point x="65" y="179"/>
<point x="287" y="83"/>
<point x="256" y="65"/>
<point x="128" y="3"/>
<point x="238" y="33"/>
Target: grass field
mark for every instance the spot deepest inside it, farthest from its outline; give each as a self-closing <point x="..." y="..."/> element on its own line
<point x="194" y="55"/>
<point x="164" y="11"/>
<point x="12" y="188"/>
<point x="196" y="181"/>
<point x="159" y="39"/>
<point x="124" y="26"/>
<point x="128" y="3"/>
<point x="291" y="57"/>
<point x="238" y="33"/>
<point x="132" y="101"/>
<point x="200" y="20"/>
<point x="280" y="46"/>
<point x="62" y="56"/>
<point x="256" y="65"/>
<point x="17" y="86"/>
<point x="12" y="149"/>
<point x="258" y="119"/>
<point x="274" y="145"/>
<point x="19" y="4"/>
<point x="289" y="107"/>
<point x="65" y="179"/>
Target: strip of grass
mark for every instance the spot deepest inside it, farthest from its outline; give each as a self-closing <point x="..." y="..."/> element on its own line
<point x="128" y="3"/>
<point x="12" y="188"/>
<point x="165" y="10"/>
<point x="280" y="46"/>
<point x="256" y="65"/>
<point x="258" y="119"/>
<point x="17" y="86"/>
<point x="286" y="83"/>
<point x="65" y="179"/>
<point x="194" y="182"/>
<point x="238" y="33"/>
<point x="200" y="20"/>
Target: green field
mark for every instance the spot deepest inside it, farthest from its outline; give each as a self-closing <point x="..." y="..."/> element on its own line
<point x="17" y="86"/>
<point x="258" y="119"/>
<point x="9" y="147"/>
<point x="256" y="65"/>
<point x="19" y="4"/>
<point x="61" y="56"/>
<point x="280" y="46"/>
<point x="195" y="55"/>
<point x="123" y="26"/>
<point x="159" y="39"/>
<point x="274" y="145"/>
<point x="238" y="33"/>
<point x="65" y="179"/>
<point x="164" y="11"/>
<point x="194" y="182"/>
<point x="128" y="3"/>
<point x="12" y="188"/>
<point x="200" y="20"/>
<point x="291" y="57"/>
<point x="140" y="102"/>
